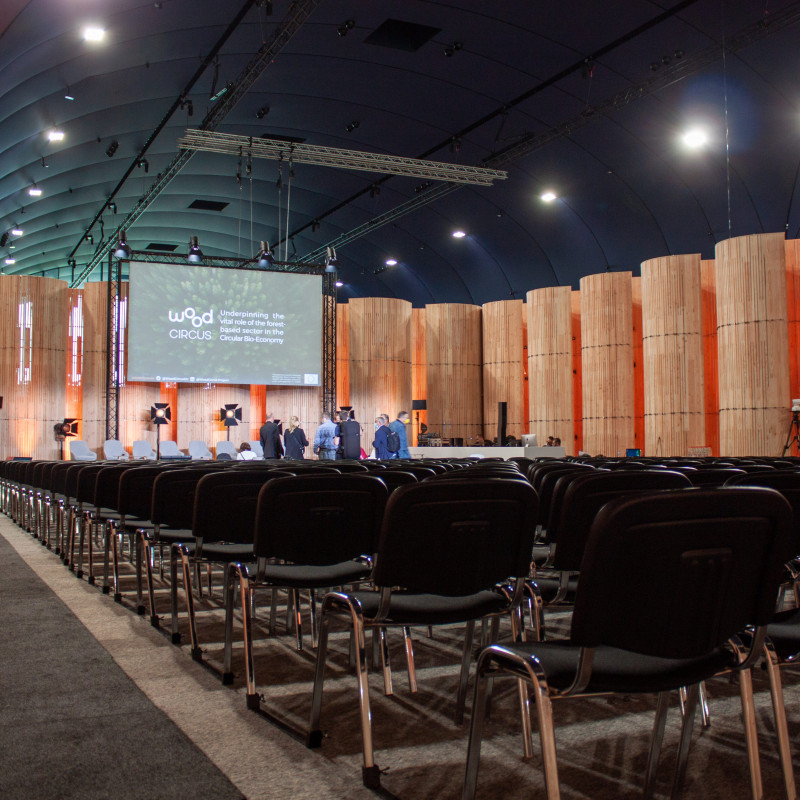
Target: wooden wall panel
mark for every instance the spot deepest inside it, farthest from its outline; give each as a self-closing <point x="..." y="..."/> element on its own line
<point x="638" y="366"/>
<point x="343" y="355"/>
<point x="304" y="402"/>
<point x="710" y="366"/>
<point x="33" y="340"/>
<point x="577" y="372"/>
<point x="419" y="374"/>
<point x="503" y="370"/>
<point x="93" y="425"/>
<point x="454" y="367"/>
<point x="380" y="357"/>
<point x="607" y="362"/>
<point x="258" y="409"/>
<point x="753" y="335"/>
<point x="673" y="355"/>
<point x="793" y="313"/>
<point x="198" y="415"/>
<point x="550" y="365"/>
<point x="73" y="407"/>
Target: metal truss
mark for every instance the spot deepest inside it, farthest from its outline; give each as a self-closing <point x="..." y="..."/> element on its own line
<point x="299" y="11"/>
<point x="358" y="160"/>
<point x="303" y="268"/>
<point x="329" y="343"/>
<point x="113" y="325"/>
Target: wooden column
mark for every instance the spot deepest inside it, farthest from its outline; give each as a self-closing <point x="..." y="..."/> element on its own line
<point x="672" y="355"/>
<point x="710" y="363"/>
<point x="343" y="354"/>
<point x="503" y="369"/>
<point x="74" y="359"/>
<point x="93" y="425"/>
<point x="638" y="366"/>
<point x="199" y="418"/>
<point x="550" y="365"/>
<point x="577" y="372"/>
<point x="304" y="402"/>
<point x="752" y="331"/>
<point x="419" y="374"/>
<point x="454" y="366"/>
<point x="33" y="338"/>
<point x="607" y="362"/>
<point x="793" y="312"/>
<point x="380" y="358"/>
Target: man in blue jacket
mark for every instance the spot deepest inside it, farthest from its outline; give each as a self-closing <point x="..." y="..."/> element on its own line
<point x="399" y="427"/>
<point x="381" y="436"/>
<point x="325" y="439"/>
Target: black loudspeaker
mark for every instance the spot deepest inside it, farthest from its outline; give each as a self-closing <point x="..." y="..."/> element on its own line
<point x="502" y="422"/>
<point x="1" y="401"/>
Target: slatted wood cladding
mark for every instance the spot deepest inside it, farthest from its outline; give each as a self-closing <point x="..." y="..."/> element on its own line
<point x="638" y="366"/>
<point x="380" y="357"/>
<point x="419" y="370"/>
<point x="577" y="373"/>
<point x="607" y="360"/>
<point x="33" y="339"/>
<point x="753" y="351"/>
<point x="550" y="377"/>
<point x="672" y="355"/>
<point x="503" y="370"/>
<point x="198" y="414"/>
<point x="710" y="363"/>
<point x="92" y="428"/>
<point x="454" y="369"/>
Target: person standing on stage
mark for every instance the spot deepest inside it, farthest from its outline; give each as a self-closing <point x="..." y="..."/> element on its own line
<point x="381" y="437"/>
<point x="349" y="436"/>
<point x="325" y="439"/>
<point x="294" y="440"/>
<point x="399" y="427"/>
<point x="270" y="438"/>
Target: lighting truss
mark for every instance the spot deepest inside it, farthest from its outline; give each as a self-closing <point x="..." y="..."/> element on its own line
<point x="231" y="144"/>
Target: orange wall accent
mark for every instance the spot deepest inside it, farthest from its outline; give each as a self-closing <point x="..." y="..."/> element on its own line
<point x="577" y="372"/>
<point x="419" y="373"/>
<point x="343" y="355"/>
<point x="710" y="366"/>
<point x="638" y="365"/>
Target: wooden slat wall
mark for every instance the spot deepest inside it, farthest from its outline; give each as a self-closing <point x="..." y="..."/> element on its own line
<point x="753" y="339"/>
<point x="607" y="360"/>
<point x="380" y="357"/>
<point x="258" y="409"/>
<point x="638" y="366"/>
<point x="93" y="426"/>
<point x="32" y="406"/>
<point x="673" y="355"/>
<point x="577" y="372"/>
<point x="793" y="313"/>
<point x="503" y="369"/>
<point x="550" y="365"/>
<point x="454" y="366"/>
<point x="710" y="366"/>
<point x="304" y="402"/>
<point x="526" y="395"/>
<point x="419" y="374"/>
<point x="343" y="354"/>
<point x="198" y="414"/>
<point x="74" y="389"/>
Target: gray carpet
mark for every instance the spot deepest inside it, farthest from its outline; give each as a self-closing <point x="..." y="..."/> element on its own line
<point x="72" y="724"/>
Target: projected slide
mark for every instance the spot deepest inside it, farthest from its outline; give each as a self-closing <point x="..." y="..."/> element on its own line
<point x="195" y="324"/>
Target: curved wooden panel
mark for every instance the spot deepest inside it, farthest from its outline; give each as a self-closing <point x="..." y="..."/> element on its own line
<point x="503" y="369"/>
<point x="380" y="357"/>
<point x="304" y="402"/>
<point x="454" y="367"/>
<point x="752" y="332"/>
<point x="550" y="365"/>
<point x="793" y="312"/>
<point x="607" y="362"/>
<point x="710" y="364"/>
<point x="33" y="337"/>
<point x="198" y="415"/>
<point x="577" y="373"/>
<point x="638" y="366"/>
<point x="95" y="302"/>
<point x="672" y="355"/>
<point x="342" y="355"/>
<point x="419" y="372"/>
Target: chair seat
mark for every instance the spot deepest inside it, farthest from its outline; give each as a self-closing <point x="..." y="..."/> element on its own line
<point x="306" y="576"/>
<point x="622" y="671"/>
<point x="172" y="535"/>
<point x="431" y="609"/>
<point x="221" y="551"/>
<point x="784" y="633"/>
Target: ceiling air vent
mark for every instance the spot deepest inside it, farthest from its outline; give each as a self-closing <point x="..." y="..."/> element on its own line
<point x="208" y="205"/>
<point x="400" y="35"/>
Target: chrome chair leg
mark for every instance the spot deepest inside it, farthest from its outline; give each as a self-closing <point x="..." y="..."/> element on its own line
<point x="781" y="727"/>
<point x="246" y="593"/>
<point x="475" y="735"/>
<point x="386" y="667"/>
<point x="689" y="712"/>
<point x="655" y="744"/>
<point x="705" y="714"/>
<point x="412" y="672"/>
<point x="140" y="554"/>
<point x="314" y="733"/>
<point x="173" y="594"/>
<point x="525" y="717"/>
<point x="463" y="679"/>
<point x="750" y="732"/>
<point x="312" y="609"/>
<point x="197" y="653"/>
<point x="230" y="602"/>
<point x="298" y="618"/>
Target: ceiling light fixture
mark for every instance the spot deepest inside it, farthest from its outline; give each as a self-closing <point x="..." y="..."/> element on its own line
<point x="10" y="260"/>
<point x="452" y="49"/>
<point x="391" y="262"/>
<point x="695" y="138"/>
<point x="345" y="27"/>
<point x="459" y="234"/>
<point x="331" y="262"/>
<point x="93" y="33"/>
<point x="16" y="231"/>
<point x="352" y="126"/>
<point x="143" y="163"/>
<point x="265" y="257"/>
<point x="195" y="255"/>
<point x="55" y="136"/>
<point x="69" y="96"/>
<point x="262" y="112"/>
<point x="90" y="238"/>
<point x="35" y="191"/>
<point x="112" y="148"/>
<point x="548" y="196"/>
<point x="122" y="249"/>
<point x="339" y="284"/>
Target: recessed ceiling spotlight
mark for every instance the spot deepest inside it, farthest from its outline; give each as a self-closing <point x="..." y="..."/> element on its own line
<point x="695" y="138"/>
<point x="459" y="234"/>
<point x="548" y="196"/>
<point x="391" y="262"/>
<point x="55" y="136"/>
<point x="93" y="33"/>
<point x="16" y="231"/>
<point x="35" y="191"/>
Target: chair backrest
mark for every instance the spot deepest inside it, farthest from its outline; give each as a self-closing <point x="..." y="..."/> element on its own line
<point x="319" y="519"/>
<point x="787" y="482"/>
<point x="227" y="447"/>
<point x="79" y="451"/>
<point x="172" y="500"/>
<point x="713" y="476"/>
<point x="87" y="480"/>
<point x="675" y="574"/>
<point x="537" y="472"/>
<point x="421" y="472"/>
<point x="58" y="476"/>
<point x="143" y="449"/>
<point x="588" y="493"/>
<point x="350" y="466"/>
<point x="456" y="538"/>
<point x="135" y="493"/>
<point x="106" y="486"/>
<point x="395" y="478"/>
<point x="199" y="450"/>
<point x="170" y="448"/>
<point x="546" y="484"/>
<point x="113" y="450"/>
<point x="255" y="446"/>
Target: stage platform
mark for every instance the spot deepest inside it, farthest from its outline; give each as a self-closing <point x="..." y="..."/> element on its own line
<point x="486" y="452"/>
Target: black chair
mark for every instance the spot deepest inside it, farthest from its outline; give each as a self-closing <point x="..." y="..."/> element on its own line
<point x="448" y="544"/>
<point x="713" y="476"/>
<point x="395" y="478"/>
<point x="311" y="532"/>
<point x="697" y="568"/>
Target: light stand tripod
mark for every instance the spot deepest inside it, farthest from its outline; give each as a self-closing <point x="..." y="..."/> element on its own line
<point x="793" y="436"/>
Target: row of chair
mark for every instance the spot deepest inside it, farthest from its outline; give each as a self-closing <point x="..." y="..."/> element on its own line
<point x="114" y="450"/>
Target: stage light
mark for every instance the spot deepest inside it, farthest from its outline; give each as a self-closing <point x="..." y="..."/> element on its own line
<point x="143" y="163"/>
<point x="16" y="231"/>
<point x="548" y="196"/>
<point x="112" y="148"/>
<point x="71" y="263"/>
<point x="331" y="262"/>
<point x="112" y="207"/>
<point x="230" y="415"/>
<point x="55" y="136"/>
<point x="262" y="112"/>
<point x="352" y="126"/>
<point x="93" y="33"/>
<point x="160" y="414"/>
<point x="35" y="191"/>
<point x="459" y="234"/>
<point x="391" y="262"/>
<point x="339" y="284"/>
<point x="195" y="255"/>
<point x="69" y="96"/>
<point x="695" y="138"/>
<point x="345" y="27"/>
<point x="10" y="260"/>
<point x="265" y="257"/>
<point x="122" y="250"/>
<point x="90" y="238"/>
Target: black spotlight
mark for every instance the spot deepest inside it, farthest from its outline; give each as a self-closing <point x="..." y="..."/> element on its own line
<point x="90" y="238"/>
<point x="143" y="163"/>
<point x="265" y="257"/>
<point x="4" y="240"/>
<point x="262" y="112"/>
<point x="159" y="415"/>
<point x="112" y="207"/>
<point x="230" y="416"/>
<point x="112" y="148"/>
<point x="122" y="250"/>
<point x="195" y="255"/>
<point x="64" y="430"/>
<point x="331" y="262"/>
<point x="352" y="126"/>
<point x="345" y="27"/>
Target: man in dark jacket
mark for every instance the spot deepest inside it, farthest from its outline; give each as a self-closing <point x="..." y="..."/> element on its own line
<point x="270" y="438"/>
<point x="349" y="436"/>
<point x="381" y="437"/>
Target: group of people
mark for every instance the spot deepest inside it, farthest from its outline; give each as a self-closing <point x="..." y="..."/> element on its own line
<point x="338" y="437"/>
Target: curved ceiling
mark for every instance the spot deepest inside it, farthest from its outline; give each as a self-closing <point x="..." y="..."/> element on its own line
<point x="589" y="100"/>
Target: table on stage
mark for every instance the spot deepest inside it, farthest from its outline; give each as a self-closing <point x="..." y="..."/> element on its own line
<point x="486" y="452"/>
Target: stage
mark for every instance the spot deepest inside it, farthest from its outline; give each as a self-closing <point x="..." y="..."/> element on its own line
<point x="486" y="452"/>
